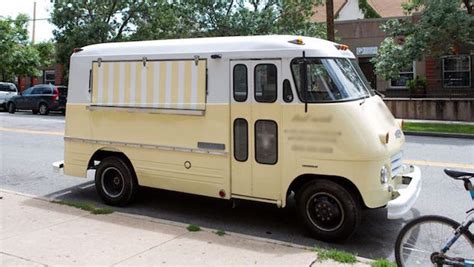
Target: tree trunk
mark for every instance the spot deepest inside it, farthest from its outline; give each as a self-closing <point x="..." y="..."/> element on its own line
<point x="330" y="19"/>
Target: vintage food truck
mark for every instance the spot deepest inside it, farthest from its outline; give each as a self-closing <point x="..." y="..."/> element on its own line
<point x="259" y="118"/>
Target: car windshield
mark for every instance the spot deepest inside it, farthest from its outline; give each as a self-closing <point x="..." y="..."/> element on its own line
<point x="329" y="80"/>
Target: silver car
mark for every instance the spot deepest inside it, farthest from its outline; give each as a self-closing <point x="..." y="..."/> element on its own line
<point x="7" y="90"/>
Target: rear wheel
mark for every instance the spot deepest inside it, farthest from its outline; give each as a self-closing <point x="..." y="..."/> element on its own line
<point x="328" y="210"/>
<point x="43" y="109"/>
<point x="11" y="108"/>
<point x="420" y="241"/>
<point x="115" y="181"/>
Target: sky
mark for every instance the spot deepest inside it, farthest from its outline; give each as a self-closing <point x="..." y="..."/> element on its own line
<point x="44" y="30"/>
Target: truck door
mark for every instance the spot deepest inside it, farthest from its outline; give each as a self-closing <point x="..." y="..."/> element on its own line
<point x="255" y="117"/>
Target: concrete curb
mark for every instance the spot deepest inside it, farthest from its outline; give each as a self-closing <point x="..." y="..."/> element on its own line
<point x="183" y="225"/>
<point x="446" y="135"/>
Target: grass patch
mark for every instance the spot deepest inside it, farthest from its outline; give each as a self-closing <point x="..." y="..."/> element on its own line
<point x="383" y="263"/>
<point x="335" y="255"/>
<point x="438" y="128"/>
<point x="193" y="228"/>
<point x="84" y="206"/>
<point x="220" y="232"/>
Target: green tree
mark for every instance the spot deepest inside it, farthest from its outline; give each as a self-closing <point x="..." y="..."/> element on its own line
<point x="17" y="56"/>
<point x="442" y="25"/>
<point x="81" y="23"/>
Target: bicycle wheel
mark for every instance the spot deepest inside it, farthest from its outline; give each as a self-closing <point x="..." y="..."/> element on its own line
<point x="422" y="237"/>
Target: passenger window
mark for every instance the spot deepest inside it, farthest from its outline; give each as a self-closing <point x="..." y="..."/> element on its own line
<point x="37" y="91"/>
<point x="287" y="93"/>
<point x="266" y="142"/>
<point x="265" y="83"/>
<point x="241" y="142"/>
<point x="240" y="83"/>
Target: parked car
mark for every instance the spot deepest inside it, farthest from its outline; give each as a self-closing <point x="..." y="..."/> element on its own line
<point x="7" y="90"/>
<point x="41" y="98"/>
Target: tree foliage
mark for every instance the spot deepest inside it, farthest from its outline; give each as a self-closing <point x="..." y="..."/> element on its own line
<point x="442" y="26"/>
<point x="17" y="56"/>
<point x="81" y="23"/>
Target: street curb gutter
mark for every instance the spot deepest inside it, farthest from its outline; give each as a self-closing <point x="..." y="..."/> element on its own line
<point x="432" y="134"/>
<point x="184" y="225"/>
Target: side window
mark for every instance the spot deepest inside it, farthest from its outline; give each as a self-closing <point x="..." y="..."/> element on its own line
<point x="37" y="91"/>
<point x="287" y="93"/>
<point x="28" y="91"/>
<point x="265" y="83"/>
<point x="240" y="82"/>
<point x="241" y="139"/>
<point x="266" y="142"/>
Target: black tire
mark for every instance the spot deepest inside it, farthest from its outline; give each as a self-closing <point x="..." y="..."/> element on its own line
<point x="43" y="109"/>
<point x="115" y="181"/>
<point x="34" y="111"/>
<point x="328" y="210"/>
<point x="11" y="108"/>
<point x="414" y="247"/>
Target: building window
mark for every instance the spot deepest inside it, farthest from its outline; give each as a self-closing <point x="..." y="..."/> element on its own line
<point x="456" y="71"/>
<point x="49" y="77"/>
<point x="405" y="75"/>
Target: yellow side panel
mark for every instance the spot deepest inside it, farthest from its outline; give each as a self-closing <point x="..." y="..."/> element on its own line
<point x="177" y="84"/>
<point x="156" y="164"/>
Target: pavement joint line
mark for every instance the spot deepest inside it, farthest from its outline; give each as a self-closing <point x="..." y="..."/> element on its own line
<point x="18" y="130"/>
<point x="22" y="258"/>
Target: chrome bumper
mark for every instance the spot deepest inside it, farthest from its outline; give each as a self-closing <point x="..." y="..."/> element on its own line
<point x="408" y="192"/>
<point x="58" y="166"/>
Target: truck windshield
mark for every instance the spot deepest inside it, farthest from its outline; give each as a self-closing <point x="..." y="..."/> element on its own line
<point x="329" y="80"/>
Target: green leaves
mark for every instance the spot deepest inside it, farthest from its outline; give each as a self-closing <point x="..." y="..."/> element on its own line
<point x="17" y="56"/>
<point x="80" y="23"/>
<point x="442" y="26"/>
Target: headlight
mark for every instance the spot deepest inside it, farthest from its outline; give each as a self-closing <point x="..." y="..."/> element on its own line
<point x="383" y="175"/>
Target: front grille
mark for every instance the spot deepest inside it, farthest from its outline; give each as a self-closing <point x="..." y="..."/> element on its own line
<point x="396" y="163"/>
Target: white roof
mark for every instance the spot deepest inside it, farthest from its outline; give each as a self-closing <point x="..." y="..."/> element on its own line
<point x="214" y="45"/>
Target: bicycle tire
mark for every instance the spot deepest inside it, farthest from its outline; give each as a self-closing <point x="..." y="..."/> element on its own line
<point x="404" y="258"/>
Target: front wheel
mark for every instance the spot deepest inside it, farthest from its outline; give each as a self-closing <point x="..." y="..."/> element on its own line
<point x="420" y="242"/>
<point x="11" y="108"/>
<point x="115" y="181"/>
<point x="328" y="210"/>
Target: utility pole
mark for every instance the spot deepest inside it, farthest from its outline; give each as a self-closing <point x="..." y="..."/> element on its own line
<point x="34" y="23"/>
<point x="330" y="19"/>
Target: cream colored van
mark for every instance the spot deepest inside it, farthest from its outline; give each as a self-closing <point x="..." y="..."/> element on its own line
<point x="260" y="118"/>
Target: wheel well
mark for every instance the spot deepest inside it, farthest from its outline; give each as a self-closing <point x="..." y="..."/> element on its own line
<point x="304" y="179"/>
<point x="101" y="154"/>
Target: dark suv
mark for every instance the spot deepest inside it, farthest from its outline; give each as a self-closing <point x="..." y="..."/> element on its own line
<point x="41" y="99"/>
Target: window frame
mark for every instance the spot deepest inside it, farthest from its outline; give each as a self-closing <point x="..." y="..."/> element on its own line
<point x="45" y="74"/>
<point x="247" y="146"/>
<point x="390" y="86"/>
<point x="255" y="83"/>
<point x="255" y="141"/>
<point x="246" y="82"/>
<point x="443" y="71"/>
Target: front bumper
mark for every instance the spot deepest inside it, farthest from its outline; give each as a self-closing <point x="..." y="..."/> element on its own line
<point x="408" y="193"/>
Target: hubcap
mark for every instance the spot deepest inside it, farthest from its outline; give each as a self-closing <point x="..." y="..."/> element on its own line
<point x="112" y="182"/>
<point x="325" y="211"/>
<point x="42" y="108"/>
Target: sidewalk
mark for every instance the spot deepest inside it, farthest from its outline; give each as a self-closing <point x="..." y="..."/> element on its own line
<point x="36" y="232"/>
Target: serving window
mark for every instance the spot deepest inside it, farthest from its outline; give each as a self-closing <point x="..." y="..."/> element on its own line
<point x="167" y="84"/>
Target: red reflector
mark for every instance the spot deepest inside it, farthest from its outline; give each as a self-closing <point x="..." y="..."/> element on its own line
<point x="222" y="193"/>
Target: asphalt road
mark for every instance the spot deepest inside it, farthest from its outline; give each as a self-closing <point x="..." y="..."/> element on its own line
<point x="25" y="166"/>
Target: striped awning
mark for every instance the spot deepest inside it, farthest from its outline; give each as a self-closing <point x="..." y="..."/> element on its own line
<point x="171" y="84"/>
